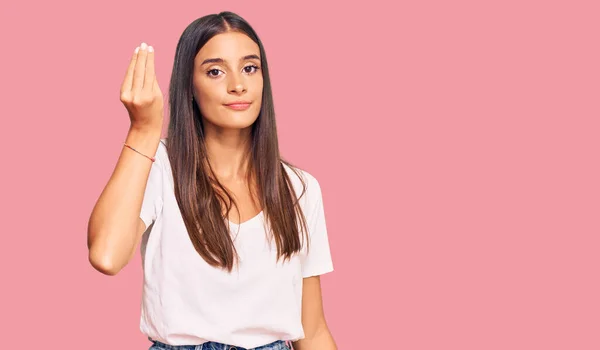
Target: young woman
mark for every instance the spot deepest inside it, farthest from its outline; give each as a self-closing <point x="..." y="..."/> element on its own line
<point x="233" y="237"/>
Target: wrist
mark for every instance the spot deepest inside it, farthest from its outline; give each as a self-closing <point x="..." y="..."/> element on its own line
<point x="144" y="140"/>
<point x="151" y="129"/>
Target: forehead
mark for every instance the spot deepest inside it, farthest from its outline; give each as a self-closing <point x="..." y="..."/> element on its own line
<point x="229" y="46"/>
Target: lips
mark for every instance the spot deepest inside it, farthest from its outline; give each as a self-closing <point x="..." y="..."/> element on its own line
<point x="238" y="102"/>
<point x="238" y="105"/>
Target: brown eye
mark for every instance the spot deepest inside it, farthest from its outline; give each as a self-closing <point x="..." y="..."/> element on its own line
<point x="213" y="75"/>
<point x="252" y="66"/>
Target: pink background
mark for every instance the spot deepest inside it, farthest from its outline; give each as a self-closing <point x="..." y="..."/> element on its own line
<point x="456" y="144"/>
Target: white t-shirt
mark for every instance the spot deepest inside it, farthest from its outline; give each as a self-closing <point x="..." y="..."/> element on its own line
<point x="185" y="301"/>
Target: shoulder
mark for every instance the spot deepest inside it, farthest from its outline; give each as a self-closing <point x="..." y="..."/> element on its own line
<point x="162" y="146"/>
<point x="303" y="181"/>
<point x="161" y="152"/>
<point x="161" y="159"/>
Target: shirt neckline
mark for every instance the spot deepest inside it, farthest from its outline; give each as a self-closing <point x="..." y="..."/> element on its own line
<point x="249" y="221"/>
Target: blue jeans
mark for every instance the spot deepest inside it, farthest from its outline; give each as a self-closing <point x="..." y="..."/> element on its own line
<point x="277" y="345"/>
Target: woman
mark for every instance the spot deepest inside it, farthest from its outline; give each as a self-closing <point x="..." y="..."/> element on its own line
<point x="233" y="238"/>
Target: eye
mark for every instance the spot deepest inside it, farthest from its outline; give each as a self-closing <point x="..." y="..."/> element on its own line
<point x="213" y="75"/>
<point x="251" y="66"/>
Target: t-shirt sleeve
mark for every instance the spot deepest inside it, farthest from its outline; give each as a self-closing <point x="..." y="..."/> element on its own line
<point x="152" y="202"/>
<point x="318" y="258"/>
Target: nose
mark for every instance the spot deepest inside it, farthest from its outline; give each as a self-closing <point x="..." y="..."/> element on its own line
<point x="239" y="88"/>
<point x="236" y="85"/>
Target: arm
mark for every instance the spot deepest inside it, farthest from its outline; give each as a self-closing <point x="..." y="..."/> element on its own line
<point x="316" y="333"/>
<point x="114" y="227"/>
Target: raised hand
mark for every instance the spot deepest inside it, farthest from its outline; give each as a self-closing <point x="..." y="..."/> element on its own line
<point x="140" y="92"/>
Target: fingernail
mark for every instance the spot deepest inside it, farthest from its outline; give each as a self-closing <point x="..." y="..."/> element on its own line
<point x="144" y="46"/>
<point x="137" y="49"/>
<point x="150" y="49"/>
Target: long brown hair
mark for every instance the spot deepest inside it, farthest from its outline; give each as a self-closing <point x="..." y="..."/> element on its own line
<point x="200" y="196"/>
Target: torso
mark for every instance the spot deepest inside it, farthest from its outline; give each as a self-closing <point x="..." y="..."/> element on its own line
<point x="187" y="301"/>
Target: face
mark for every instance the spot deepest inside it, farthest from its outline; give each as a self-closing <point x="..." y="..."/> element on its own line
<point x="226" y="70"/>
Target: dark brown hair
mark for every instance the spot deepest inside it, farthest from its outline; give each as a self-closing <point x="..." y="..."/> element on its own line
<point x="200" y="196"/>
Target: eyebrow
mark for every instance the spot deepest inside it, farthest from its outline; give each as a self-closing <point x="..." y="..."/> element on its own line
<point x="220" y="60"/>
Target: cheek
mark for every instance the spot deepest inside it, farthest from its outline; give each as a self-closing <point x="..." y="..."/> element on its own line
<point x="210" y="102"/>
<point x="206" y="90"/>
<point x="207" y="95"/>
<point x="258" y="87"/>
<point x="257" y="90"/>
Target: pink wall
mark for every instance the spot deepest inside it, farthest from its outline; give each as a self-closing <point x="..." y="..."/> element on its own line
<point x="456" y="144"/>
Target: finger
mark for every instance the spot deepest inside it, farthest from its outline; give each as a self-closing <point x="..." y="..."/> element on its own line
<point x="155" y="87"/>
<point x="140" y="69"/>
<point x="150" y="75"/>
<point x="128" y="81"/>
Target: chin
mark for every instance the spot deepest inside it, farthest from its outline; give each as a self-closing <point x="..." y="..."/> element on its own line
<point x="237" y="124"/>
<point x="235" y="120"/>
<point x="239" y="120"/>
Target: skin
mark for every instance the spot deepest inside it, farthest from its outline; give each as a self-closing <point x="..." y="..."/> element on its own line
<point x="227" y="137"/>
<point x="227" y="131"/>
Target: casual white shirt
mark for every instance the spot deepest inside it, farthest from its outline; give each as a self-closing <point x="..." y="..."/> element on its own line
<point x="185" y="301"/>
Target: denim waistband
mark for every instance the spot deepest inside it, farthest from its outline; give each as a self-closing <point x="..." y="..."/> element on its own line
<point x="276" y="345"/>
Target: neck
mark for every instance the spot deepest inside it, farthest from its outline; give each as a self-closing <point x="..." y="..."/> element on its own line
<point x="228" y="151"/>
